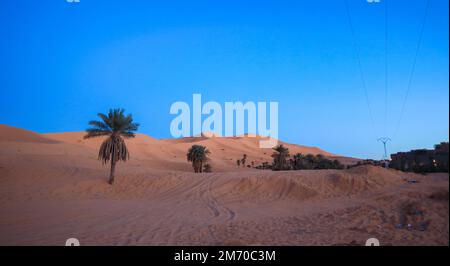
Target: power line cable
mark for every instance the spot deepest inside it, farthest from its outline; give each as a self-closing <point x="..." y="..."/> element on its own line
<point x="413" y="69"/>
<point x="358" y="57"/>
<point x="385" y="65"/>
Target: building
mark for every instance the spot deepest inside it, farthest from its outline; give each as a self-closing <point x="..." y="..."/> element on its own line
<point x="422" y="160"/>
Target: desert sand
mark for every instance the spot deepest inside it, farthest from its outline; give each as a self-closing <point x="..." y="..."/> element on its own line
<point x="52" y="187"/>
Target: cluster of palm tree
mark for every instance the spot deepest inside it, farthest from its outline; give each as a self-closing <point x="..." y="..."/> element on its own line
<point x="198" y="155"/>
<point x="310" y="161"/>
<point x="242" y="161"/>
<point x="283" y="161"/>
<point x="117" y="127"/>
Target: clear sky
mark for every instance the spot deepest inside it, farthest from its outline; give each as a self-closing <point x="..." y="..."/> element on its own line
<point x="62" y="63"/>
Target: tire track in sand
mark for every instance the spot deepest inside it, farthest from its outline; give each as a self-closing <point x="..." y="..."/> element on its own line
<point x="203" y="191"/>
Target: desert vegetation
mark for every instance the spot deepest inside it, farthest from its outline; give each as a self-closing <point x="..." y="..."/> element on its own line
<point x="207" y="168"/>
<point x="309" y="161"/>
<point x="55" y="177"/>
<point x="198" y="155"/>
<point x="282" y="160"/>
<point x="116" y="126"/>
<point x="280" y="157"/>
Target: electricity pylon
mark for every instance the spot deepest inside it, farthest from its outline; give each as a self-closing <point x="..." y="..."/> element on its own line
<point x="385" y="140"/>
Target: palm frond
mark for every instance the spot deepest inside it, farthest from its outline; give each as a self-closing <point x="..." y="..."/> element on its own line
<point x="113" y="148"/>
<point x="106" y="119"/>
<point x="115" y="122"/>
<point x="95" y="132"/>
<point x="128" y="134"/>
<point x="99" y="124"/>
<point x="197" y="153"/>
<point x="116" y="125"/>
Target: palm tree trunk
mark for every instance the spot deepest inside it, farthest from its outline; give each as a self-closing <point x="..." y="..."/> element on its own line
<point x="111" y="173"/>
<point x="201" y="167"/>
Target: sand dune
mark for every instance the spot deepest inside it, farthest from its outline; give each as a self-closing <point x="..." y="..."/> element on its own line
<point x="52" y="187"/>
<point x="171" y="153"/>
<point x="9" y="133"/>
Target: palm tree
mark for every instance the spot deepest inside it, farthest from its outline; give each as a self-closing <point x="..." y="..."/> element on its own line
<point x="244" y="158"/>
<point x="298" y="161"/>
<point x="197" y="154"/>
<point x="280" y="157"/>
<point x="337" y="164"/>
<point x="116" y="126"/>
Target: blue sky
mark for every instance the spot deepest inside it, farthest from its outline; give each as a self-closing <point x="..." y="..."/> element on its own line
<point x="62" y="63"/>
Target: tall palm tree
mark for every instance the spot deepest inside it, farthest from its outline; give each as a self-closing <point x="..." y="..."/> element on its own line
<point x="280" y="157"/>
<point x="197" y="154"/>
<point x="116" y="126"/>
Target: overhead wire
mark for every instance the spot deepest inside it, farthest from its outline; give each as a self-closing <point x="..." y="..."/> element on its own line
<point x="360" y="68"/>
<point x="386" y="66"/>
<point x="413" y="68"/>
<point x="386" y="43"/>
